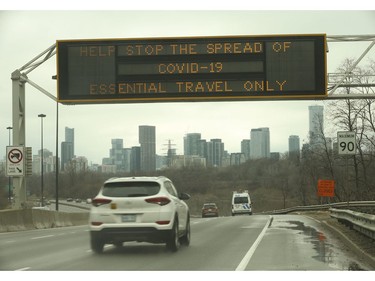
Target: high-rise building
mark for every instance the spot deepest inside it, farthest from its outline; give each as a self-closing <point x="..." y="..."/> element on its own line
<point x="237" y="159"/>
<point x="116" y="154"/>
<point x="245" y="148"/>
<point x="135" y="161"/>
<point x="192" y="144"/>
<point x="260" y="143"/>
<point x="67" y="148"/>
<point x="49" y="162"/>
<point x="294" y="147"/>
<point x="202" y="149"/>
<point x="79" y="164"/>
<point x="215" y="152"/>
<point x="293" y="143"/>
<point x="127" y="159"/>
<point x="316" y="123"/>
<point x="66" y="154"/>
<point x="69" y="136"/>
<point x="147" y="140"/>
<point x="166" y="161"/>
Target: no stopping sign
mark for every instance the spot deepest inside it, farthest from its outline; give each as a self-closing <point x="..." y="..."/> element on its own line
<point x="15" y="161"/>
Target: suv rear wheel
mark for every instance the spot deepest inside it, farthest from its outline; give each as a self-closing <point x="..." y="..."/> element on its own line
<point x="185" y="240"/>
<point x="97" y="245"/>
<point x="173" y="241"/>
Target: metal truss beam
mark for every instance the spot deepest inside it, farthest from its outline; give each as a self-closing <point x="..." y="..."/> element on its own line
<point x="351" y="38"/>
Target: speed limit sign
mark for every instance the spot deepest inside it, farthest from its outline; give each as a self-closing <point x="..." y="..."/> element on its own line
<point x="346" y="143"/>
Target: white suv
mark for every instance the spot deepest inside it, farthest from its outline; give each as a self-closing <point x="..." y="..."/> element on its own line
<point x="143" y="209"/>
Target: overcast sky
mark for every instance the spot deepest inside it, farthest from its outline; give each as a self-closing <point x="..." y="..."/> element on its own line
<point x="26" y="34"/>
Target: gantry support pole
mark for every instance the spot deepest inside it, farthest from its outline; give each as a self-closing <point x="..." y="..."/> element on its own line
<point x="18" y="107"/>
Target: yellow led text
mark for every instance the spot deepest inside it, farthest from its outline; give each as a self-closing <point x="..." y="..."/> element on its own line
<point x="281" y="47"/>
<point x="264" y="86"/>
<point x="142" y="50"/>
<point x="183" y="49"/>
<point x="97" y="51"/>
<point x="203" y="87"/>
<point x="235" y="48"/>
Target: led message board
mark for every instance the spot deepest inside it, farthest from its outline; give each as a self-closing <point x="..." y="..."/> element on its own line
<point x="191" y="69"/>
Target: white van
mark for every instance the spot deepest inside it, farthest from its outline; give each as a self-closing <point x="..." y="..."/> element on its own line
<point x="241" y="203"/>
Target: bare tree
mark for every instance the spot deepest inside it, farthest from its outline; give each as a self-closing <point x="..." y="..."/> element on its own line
<point x="357" y="116"/>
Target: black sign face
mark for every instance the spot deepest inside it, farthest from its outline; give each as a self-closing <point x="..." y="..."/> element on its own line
<point x="191" y="69"/>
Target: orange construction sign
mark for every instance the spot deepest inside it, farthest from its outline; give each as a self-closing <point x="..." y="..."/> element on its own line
<point x="326" y="188"/>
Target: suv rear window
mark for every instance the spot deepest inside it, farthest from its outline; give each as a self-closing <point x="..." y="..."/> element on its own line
<point x="239" y="200"/>
<point x="130" y="189"/>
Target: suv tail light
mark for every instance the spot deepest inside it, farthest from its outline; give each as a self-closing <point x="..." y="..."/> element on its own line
<point x="100" y="201"/>
<point x="161" y="201"/>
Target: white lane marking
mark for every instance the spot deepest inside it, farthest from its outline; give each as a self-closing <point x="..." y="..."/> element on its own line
<point x="41" y="237"/>
<point x="23" y="269"/>
<point x="246" y="259"/>
<point x="196" y="222"/>
<point x="9" y="241"/>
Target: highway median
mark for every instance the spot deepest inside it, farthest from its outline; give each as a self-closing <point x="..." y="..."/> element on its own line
<point x="27" y="219"/>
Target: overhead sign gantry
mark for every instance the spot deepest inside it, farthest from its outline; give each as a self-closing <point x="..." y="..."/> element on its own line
<point x="93" y="71"/>
<point x="191" y="69"/>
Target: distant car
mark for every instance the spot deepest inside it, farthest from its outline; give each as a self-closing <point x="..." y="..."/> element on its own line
<point x="78" y="200"/>
<point x="69" y="200"/>
<point x="210" y="210"/>
<point x="88" y="201"/>
<point x="142" y="209"/>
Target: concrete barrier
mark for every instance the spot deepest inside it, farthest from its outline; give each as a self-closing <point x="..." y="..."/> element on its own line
<point x="17" y="220"/>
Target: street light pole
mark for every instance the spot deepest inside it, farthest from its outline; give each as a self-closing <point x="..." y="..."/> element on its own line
<point x="9" y="184"/>
<point x="42" y="156"/>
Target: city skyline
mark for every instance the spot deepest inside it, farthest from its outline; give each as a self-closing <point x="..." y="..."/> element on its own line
<point x="119" y="143"/>
<point x="206" y="152"/>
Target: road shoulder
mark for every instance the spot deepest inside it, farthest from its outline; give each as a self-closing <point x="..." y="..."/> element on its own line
<point x="360" y="245"/>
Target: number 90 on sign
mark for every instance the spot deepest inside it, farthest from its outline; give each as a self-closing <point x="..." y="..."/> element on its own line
<point x="346" y="143"/>
<point x="347" y="146"/>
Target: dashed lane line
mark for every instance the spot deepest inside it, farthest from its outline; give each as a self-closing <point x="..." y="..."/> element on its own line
<point x="41" y="237"/>
<point x="246" y="259"/>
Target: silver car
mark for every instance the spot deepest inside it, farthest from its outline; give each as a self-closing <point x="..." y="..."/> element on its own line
<point x="143" y="209"/>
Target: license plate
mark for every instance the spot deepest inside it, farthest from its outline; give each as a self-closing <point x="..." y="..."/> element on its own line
<point x="128" y="218"/>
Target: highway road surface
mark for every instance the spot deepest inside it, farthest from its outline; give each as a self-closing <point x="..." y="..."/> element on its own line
<point x="240" y="243"/>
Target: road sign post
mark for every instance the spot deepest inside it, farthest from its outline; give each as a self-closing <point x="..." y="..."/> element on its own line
<point x="347" y="146"/>
<point x="15" y="161"/>
<point x="346" y="143"/>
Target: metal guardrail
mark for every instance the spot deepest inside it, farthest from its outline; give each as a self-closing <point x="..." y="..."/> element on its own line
<point x="323" y="207"/>
<point x="361" y="222"/>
